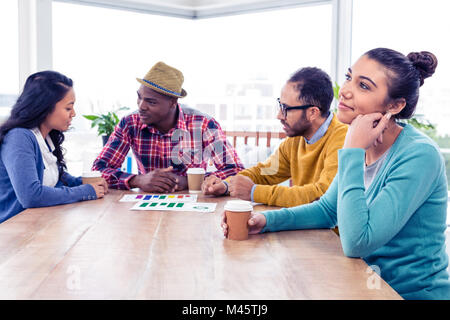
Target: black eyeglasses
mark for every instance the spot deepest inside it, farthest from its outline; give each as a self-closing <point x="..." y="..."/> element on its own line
<point x="284" y="108"/>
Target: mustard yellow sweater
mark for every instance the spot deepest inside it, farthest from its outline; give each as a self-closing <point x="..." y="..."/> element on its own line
<point x="311" y="167"/>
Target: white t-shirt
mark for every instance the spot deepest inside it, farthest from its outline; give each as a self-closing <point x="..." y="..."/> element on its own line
<point x="51" y="173"/>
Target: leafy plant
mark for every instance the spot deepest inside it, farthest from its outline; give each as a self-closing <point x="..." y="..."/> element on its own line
<point x="336" y="91"/>
<point x="105" y="123"/>
<point x="422" y="124"/>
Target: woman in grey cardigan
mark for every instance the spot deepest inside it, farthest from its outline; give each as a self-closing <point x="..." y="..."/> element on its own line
<point x="32" y="168"/>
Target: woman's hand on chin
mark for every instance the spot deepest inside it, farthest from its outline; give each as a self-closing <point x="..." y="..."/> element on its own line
<point x="366" y="130"/>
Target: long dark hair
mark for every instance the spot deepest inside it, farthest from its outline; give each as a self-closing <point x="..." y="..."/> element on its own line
<point x="406" y="74"/>
<point x="41" y="92"/>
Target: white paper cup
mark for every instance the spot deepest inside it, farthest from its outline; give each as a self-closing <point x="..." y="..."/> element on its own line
<point x="195" y="178"/>
<point x="90" y="177"/>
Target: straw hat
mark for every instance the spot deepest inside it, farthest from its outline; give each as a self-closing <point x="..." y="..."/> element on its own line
<point x="164" y="79"/>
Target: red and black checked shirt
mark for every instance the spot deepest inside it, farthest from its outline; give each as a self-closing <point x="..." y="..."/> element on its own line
<point x="196" y="139"/>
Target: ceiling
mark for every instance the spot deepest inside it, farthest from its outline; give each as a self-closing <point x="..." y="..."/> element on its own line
<point x="199" y="4"/>
<point x="195" y="9"/>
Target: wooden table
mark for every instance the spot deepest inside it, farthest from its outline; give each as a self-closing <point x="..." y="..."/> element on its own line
<point x="102" y="250"/>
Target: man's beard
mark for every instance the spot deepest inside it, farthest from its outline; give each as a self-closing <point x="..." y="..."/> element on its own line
<point x="300" y="128"/>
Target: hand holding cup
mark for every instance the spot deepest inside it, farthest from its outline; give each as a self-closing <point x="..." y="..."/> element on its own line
<point x="94" y="178"/>
<point x="256" y="223"/>
<point x="235" y="221"/>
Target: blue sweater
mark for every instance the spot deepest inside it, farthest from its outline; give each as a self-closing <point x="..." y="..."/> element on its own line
<point x="398" y="224"/>
<point x="21" y="175"/>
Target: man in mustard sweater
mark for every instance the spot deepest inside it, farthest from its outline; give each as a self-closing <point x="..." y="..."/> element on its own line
<point x="308" y="156"/>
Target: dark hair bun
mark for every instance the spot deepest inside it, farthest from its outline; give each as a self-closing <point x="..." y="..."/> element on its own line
<point x="425" y="62"/>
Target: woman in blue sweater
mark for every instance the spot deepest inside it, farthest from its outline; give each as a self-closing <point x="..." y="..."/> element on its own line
<point x="32" y="167"/>
<point x="389" y="197"/>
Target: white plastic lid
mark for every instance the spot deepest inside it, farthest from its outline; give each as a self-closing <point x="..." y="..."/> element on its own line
<point x="196" y="170"/>
<point x="91" y="174"/>
<point x="238" y="206"/>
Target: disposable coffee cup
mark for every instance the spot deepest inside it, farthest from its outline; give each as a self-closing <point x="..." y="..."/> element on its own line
<point x="195" y="178"/>
<point x="90" y="177"/>
<point x="237" y="213"/>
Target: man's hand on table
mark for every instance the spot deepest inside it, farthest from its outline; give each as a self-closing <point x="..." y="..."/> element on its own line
<point x="159" y="180"/>
<point x="214" y="185"/>
<point x="241" y="187"/>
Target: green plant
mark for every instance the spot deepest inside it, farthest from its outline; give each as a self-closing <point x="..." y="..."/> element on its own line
<point x="105" y="123"/>
<point x="422" y="124"/>
<point x="336" y="91"/>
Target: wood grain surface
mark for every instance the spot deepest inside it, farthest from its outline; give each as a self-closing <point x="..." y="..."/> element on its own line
<point x="102" y="250"/>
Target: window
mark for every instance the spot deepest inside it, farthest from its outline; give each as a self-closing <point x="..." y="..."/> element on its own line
<point x="406" y="26"/>
<point x="244" y="60"/>
<point x="234" y="66"/>
<point x="9" y="56"/>
<point x="103" y="55"/>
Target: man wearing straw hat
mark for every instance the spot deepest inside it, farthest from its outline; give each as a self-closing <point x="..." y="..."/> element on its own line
<point x="166" y="139"/>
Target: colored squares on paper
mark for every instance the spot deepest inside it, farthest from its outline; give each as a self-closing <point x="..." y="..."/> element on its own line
<point x="175" y="206"/>
<point x="159" y="206"/>
<point x="159" y="198"/>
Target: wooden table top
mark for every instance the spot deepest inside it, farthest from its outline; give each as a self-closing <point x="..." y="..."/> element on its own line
<point x="102" y="250"/>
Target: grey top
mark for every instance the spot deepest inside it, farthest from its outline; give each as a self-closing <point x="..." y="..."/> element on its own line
<point x="371" y="171"/>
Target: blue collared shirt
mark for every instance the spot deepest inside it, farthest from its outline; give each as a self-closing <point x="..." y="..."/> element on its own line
<point x="316" y="137"/>
<point x="321" y="131"/>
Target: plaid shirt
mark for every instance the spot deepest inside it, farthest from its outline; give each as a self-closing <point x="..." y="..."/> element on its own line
<point x="194" y="140"/>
